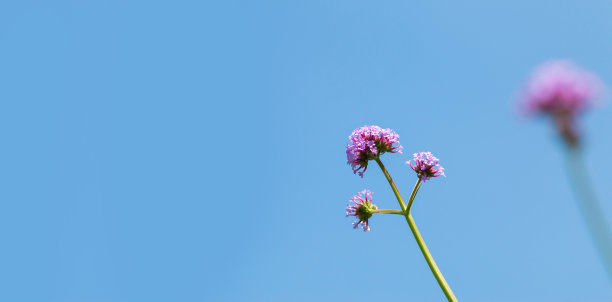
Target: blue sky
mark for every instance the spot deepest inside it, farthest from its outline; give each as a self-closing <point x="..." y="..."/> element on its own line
<point x="194" y="151"/>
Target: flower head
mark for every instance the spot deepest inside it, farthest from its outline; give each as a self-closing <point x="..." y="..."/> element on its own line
<point x="426" y="166"/>
<point x="560" y="86"/>
<point x="361" y="206"/>
<point x="369" y="142"/>
<point x="562" y="90"/>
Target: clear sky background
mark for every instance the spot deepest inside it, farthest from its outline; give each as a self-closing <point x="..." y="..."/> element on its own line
<point x="195" y="150"/>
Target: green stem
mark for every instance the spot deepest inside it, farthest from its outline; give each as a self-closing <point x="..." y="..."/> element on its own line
<point x="417" y="235"/>
<point x="387" y="212"/>
<point x="413" y="195"/>
<point x="590" y="209"/>
<point x="448" y="292"/>
<point x="393" y="187"/>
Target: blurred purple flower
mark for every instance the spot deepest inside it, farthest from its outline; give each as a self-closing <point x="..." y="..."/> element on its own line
<point x="561" y="89"/>
<point x="426" y="166"/>
<point x="361" y="206"/>
<point x="369" y="142"/>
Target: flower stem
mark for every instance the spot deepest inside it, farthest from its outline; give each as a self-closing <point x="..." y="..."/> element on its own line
<point x="589" y="207"/>
<point x="448" y="292"/>
<point x="387" y="212"/>
<point x="417" y="235"/>
<point x="413" y="195"/>
<point x="393" y="187"/>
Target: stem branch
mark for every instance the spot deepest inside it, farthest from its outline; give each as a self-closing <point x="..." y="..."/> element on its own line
<point x="388" y="212"/>
<point x="417" y="235"/>
<point x="393" y="187"/>
<point x="413" y="195"/>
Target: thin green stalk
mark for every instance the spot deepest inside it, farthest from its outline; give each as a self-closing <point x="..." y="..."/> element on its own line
<point x="393" y="187"/>
<point x="417" y="235"/>
<point x="413" y="195"/>
<point x="388" y="212"/>
<point x="448" y="292"/>
<point x="589" y="207"/>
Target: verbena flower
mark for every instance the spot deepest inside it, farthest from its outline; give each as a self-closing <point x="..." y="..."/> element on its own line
<point x="369" y="142"/>
<point x="562" y="90"/>
<point x="361" y="206"/>
<point x="426" y="166"/>
<point x="560" y="86"/>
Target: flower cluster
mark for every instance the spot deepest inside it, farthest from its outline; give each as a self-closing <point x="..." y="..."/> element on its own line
<point x="361" y="206"/>
<point x="560" y="87"/>
<point x="562" y="90"/>
<point x="426" y="166"/>
<point x="369" y="142"/>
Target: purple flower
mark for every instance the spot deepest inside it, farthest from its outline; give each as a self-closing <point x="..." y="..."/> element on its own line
<point x="562" y="90"/>
<point x="369" y="142"/>
<point x="426" y="166"/>
<point x="361" y="206"/>
<point x="560" y="86"/>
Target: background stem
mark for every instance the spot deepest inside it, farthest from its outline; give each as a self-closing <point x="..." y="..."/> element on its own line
<point x="589" y="207"/>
